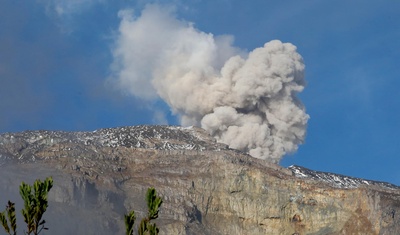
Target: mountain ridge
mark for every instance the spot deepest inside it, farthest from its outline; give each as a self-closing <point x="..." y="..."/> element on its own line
<point x="186" y="138"/>
<point x="206" y="186"/>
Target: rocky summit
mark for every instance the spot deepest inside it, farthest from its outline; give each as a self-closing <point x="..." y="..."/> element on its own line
<point x="207" y="188"/>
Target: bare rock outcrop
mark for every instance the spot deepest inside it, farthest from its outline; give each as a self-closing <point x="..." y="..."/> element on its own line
<point x="207" y="188"/>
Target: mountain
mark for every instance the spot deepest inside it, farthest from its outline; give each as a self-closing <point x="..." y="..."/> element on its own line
<point x="207" y="188"/>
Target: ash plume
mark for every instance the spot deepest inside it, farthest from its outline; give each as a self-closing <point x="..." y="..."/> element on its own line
<point x="245" y="100"/>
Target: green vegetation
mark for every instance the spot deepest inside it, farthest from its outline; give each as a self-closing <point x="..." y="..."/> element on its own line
<point x="129" y="222"/>
<point x="10" y="209"/>
<point x="146" y="227"/>
<point x="36" y="203"/>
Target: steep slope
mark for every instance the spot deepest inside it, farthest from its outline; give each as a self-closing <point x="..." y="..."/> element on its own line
<point x="207" y="188"/>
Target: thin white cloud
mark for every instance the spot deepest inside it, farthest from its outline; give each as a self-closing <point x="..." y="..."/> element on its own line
<point x="63" y="8"/>
<point x="159" y="117"/>
<point x="63" y="12"/>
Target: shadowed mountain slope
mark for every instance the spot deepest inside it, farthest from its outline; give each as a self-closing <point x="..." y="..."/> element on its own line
<point x="207" y="188"/>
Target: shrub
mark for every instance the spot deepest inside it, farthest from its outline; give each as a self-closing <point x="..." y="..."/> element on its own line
<point x="146" y="227"/>
<point x="35" y="204"/>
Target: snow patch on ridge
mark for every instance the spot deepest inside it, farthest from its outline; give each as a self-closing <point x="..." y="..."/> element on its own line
<point x="149" y="137"/>
<point x="337" y="180"/>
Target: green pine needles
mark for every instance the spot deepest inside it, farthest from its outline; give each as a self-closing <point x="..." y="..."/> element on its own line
<point x="146" y="227"/>
<point x="9" y="221"/>
<point x="35" y="204"/>
<point x="129" y="222"/>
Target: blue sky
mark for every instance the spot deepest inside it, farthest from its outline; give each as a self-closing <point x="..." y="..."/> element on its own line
<point x="56" y="57"/>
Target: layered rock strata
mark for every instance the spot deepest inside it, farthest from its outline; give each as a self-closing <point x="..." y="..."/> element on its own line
<point x="207" y="188"/>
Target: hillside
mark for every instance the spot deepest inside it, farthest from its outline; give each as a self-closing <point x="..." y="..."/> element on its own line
<point x="207" y="188"/>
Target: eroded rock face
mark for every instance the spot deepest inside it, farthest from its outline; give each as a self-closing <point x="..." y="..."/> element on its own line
<point x="207" y="188"/>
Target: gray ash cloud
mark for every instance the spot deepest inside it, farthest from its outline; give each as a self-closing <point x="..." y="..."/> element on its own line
<point x="246" y="100"/>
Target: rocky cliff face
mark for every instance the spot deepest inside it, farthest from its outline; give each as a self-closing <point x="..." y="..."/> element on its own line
<point x="207" y="188"/>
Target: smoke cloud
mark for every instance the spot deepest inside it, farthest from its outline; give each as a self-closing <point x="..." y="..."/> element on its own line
<point x="245" y="100"/>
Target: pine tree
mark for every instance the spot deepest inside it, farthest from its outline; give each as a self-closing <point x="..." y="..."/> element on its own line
<point x="146" y="227"/>
<point x="129" y="222"/>
<point x="11" y="218"/>
<point x="35" y="204"/>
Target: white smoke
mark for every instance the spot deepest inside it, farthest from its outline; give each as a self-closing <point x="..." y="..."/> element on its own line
<point x="246" y="100"/>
